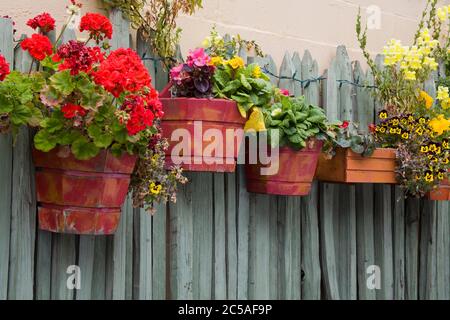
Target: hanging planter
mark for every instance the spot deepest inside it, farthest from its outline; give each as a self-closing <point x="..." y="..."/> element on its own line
<point x="295" y="174"/>
<point x="81" y="197"/>
<point x="349" y="167"/>
<point x="198" y="117"/>
<point x="442" y="193"/>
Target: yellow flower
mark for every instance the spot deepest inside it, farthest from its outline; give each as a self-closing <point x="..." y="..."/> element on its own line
<point x="257" y="71"/>
<point x="419" y="131"/>
<point x="441" y="175"/>
<point x="236" y="62"/>
<point x="410" y="75"/>
<point x="216" y="61"/>
<point x="255" y="121"/>
<point x="442" y="13"/>
<point x="383" y="115"/>
<point x="440" y="124"/>
<point x="445" y="144"/>
<point x="405" y="135"/>
<point x="429" y="177"/>
<point x="426" y="98"/>
<point x="155" y="188"/>
<point x="443" y="93"/>
<point x="424" y="149"/>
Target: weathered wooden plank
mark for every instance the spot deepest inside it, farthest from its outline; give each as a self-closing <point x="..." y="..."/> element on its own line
<point x="98" y="286"/>
<point x="276" y="248"/>
<point x="412" y="236"/>
<point x="232" y="235"/>
<point x="6" y="49"/>
<point x="287" y="71"/>
<point x="443" y="251"/>
<point x="43" y="265"/>
<point x="329" y="198"/>
<point x="243" y="235"/>
<point x="21" y="259"/>
<point x="347" y="212"/>
<point x="182" y="243"/>
<point x="298" y="71"/>
<point x="259" y="246"/>
<point x="220" y="245"/>
<point x="144" y="261"/>
<point x="399" y="244"/>
<point x="310" y="256"/>
<point x="427" y="275"/>
<point x="202" y="209"/>
<point x="86" y="256"/>
<point x="63" y="256"/>
<point x="159" y="243"/>
<point x="364" y="114"/>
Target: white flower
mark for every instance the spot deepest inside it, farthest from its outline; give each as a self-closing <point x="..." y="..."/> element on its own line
<point x="276" y="112"/>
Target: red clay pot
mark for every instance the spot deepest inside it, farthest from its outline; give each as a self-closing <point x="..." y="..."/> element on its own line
<point x="442" y="193"/>
<point x="296" y="170"/>
<point x="81" y="197"/>
<point x="216" y="114"/>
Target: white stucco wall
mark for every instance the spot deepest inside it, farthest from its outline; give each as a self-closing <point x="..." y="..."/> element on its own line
<point x="317" y="25"/>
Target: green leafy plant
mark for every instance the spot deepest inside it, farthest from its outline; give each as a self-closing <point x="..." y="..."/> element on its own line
<point x="295" y="120"/>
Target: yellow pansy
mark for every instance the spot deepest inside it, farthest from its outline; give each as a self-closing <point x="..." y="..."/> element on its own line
<point x="440" y="124"/>
<point x="257" y="72"/>
<point x="216" y="61"/>
<point x="236" y="62"/>
<point x="255" y="122"/>
<point x="155" y="188"/>
<point x="429" y="177"/>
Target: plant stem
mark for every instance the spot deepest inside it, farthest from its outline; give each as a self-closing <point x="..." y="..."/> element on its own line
<point x="63" y="30"/>
<point x="31" y="67"/>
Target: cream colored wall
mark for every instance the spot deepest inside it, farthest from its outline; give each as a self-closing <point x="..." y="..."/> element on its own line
<point x="317" y="25"/>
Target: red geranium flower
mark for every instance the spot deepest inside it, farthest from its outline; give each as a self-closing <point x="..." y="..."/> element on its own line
<point x="44" y="21"/>
<point x="77" y="57"/>
<point x="122" y="71"/>
<point x="372" y="128"/>
<point x="141" y="116"/>
<point x="71" y="110"/>
<point x="285" y="92"/>
<point x="4" y="68"/>
<point x="38" y="45"/>
<point x="98" y="26"/>
<point x="344" y="125"/>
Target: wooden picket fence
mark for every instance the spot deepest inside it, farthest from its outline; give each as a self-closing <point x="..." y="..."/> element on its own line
<point x="220" y="242"/>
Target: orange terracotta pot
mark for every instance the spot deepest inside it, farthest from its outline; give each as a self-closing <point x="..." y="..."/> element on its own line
<point x="350" y="167"/>
<point x="198" y="117"/>
<point x="442" y="193"/>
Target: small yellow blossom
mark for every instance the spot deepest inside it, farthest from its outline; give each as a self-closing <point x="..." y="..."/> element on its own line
<point x="236" y="62"/>
<point x="257" y="72"/>
<point x="410" y="75"/>
<point x="425" y="97"/>
<point x="443" y="93"/>
<point x="442" y="13"/>
<point x="155" y="188"/>
<point x="255" y="121"/>
<point x="440" y="124"/>
<point x="216" y="61"/>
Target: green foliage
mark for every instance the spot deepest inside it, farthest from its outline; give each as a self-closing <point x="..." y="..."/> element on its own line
<point x="296" y="122"/>
<point x="18" y="100"/>
<point x="245" y="85"/>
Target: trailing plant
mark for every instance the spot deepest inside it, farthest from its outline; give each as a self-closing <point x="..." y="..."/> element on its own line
<point x="295" y="122"/>
<point x="156" y="22"/>
<point x="347" y="135"/>
<point x="86" y="99"/>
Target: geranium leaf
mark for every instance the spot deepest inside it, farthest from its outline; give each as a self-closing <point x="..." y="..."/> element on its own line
<point x="83" y="149"/>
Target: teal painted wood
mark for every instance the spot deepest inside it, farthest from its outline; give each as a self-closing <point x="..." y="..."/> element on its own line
<point x="232" y="216"/>
<point x="287" y="70"/>
<point x="399" y="244"/>
<point x="412" y="236"/>
<point x="160" y="241"/>
<point x="346" y="240"/>
<point x="220" y="238"/>
<point x="297" y="65"/>
<point x="21" y="259"/>
<point x="309" y="205"/>
<point x="364" y="114"/>
<point x="86" y="251"/>
<point x="383" y="228"/>
<point x="63" y="256"/>
<point x="329" y="196"/>
<point x="243" y="235"/>
<point x="43" y="265"/>
<point x="182" y="242"/>
<point x="427" y="277"/>
<point x="144" y="257"/>
<point x="443" y="251"/>
<point x="99" y="269"/>
<point x="6" y="48"/>
<point x="202" y="220"/>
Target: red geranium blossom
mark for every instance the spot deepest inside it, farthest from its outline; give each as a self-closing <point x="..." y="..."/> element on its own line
<point x="44" y="21"/>
<point x="38" y="45"/>
<point x="285" y="92"/>
<point x="98" y="26"/>
<point x="4" y="68"/>
<point x="372" y="128"/>
<point x="71" y="110"/>
<point x="122" y="71"/>
<point x="78" y="57"/>
<point x="344" y="125"/>
<point x="140" y="116"/>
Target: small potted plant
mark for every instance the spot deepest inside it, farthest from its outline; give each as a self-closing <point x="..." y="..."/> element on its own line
<point x="97" y="118"/>
<point x="352" y="157"/>
<point x="294" y="128"/>
<point x="214" y="90"/>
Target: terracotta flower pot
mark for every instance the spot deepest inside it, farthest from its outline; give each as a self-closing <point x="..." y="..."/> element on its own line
<point x="198" y="117"/>
<point x="295" y="174"/>
<point x="442" y="193"/>
<point x="350" y="167"/>
<point x="81" y="197"/>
